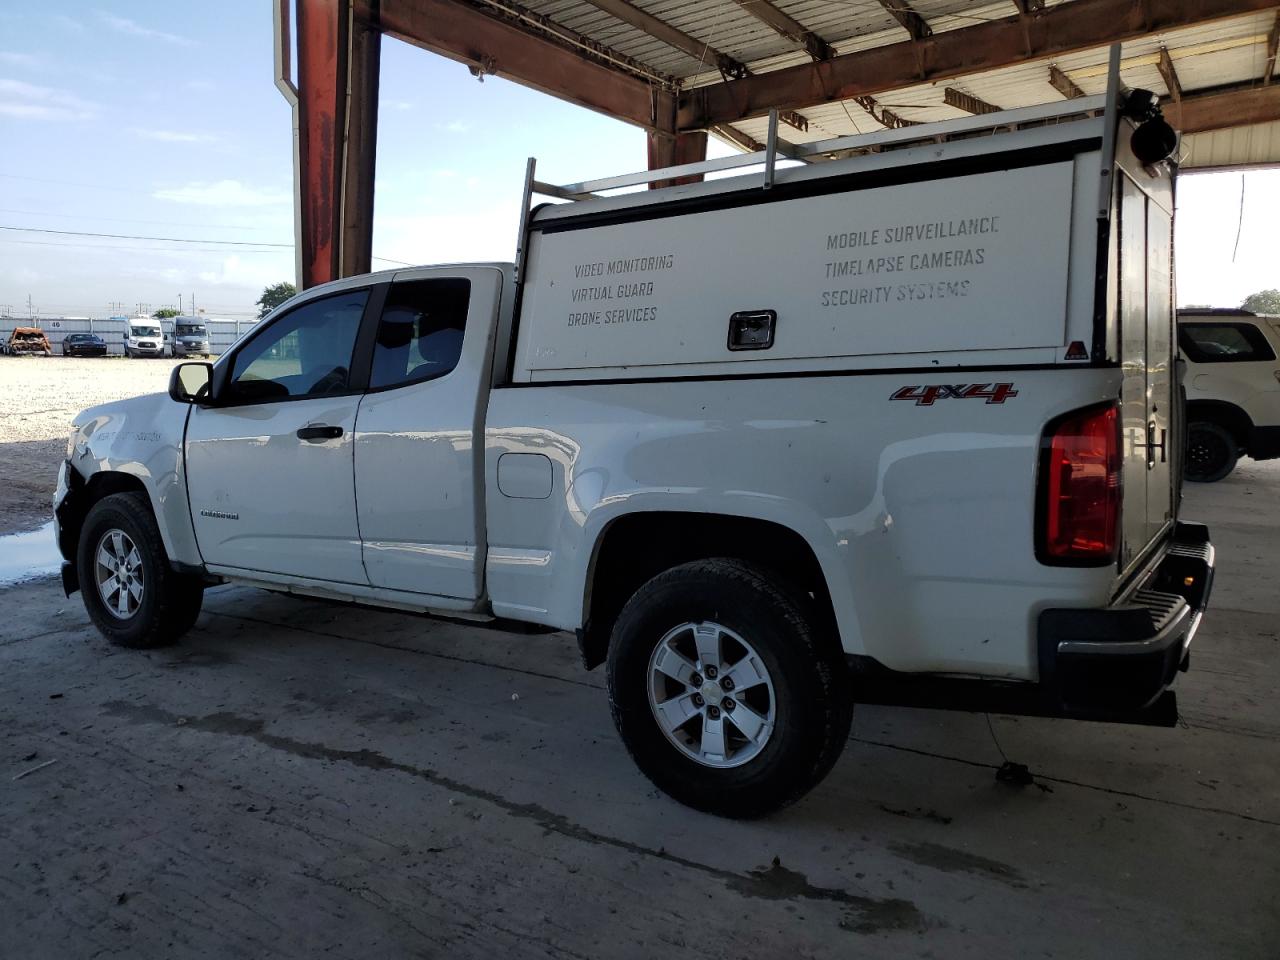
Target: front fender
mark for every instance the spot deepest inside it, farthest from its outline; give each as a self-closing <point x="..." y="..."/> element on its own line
<point x="142" y="438"/>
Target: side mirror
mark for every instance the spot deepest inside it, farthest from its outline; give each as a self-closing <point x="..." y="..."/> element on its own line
<point x="191" y="382"/>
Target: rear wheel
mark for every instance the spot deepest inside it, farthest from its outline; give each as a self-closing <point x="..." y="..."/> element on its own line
<point x="1212" y="452"/>
<point x="132" y="595"/>
<point x="723" y="690"/>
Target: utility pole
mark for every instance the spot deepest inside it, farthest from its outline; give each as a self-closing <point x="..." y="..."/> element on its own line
<point x="30" y="309"/>
<point x="179" y="303"/>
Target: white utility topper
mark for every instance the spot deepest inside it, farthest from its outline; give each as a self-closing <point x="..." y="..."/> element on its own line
<point x="896" y="424"/>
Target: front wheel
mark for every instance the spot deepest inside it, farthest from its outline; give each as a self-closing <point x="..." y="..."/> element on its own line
<point x="1211" y="452"/>
<point x="132" y="595"/>
<point x="724" y="691"/>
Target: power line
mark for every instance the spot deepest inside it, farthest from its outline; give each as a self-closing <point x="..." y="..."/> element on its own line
<point x="130" y="236"/>
<point x="167" y="223"/>
<point x="120" y="246"/>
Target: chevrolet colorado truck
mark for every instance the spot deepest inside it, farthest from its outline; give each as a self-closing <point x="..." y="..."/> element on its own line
<point x="897" y="426"/>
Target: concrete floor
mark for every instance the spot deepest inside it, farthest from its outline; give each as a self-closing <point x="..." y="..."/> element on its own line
<point x="300" y="780"/>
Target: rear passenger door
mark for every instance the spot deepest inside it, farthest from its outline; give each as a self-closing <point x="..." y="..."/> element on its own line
<point x="418" y="464"/>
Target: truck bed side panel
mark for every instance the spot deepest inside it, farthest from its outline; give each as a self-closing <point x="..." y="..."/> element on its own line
<point x="920" y="513"/>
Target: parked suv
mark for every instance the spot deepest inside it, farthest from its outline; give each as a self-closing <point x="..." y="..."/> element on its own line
<point x="1233" y="389"/>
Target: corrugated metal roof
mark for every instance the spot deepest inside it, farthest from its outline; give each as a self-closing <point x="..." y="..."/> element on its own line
<point x="1231" y="51"/>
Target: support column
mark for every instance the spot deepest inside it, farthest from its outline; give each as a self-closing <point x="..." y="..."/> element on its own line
<point x="360" y="159"/>
<point x="669" y="150"/>
<point x="339" y="46"/>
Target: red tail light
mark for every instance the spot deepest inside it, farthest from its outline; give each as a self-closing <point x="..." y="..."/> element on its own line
<point x="1079" y="497"/>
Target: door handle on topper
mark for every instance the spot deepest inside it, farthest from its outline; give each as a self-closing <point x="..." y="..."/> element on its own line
<point x="315" y="432"/>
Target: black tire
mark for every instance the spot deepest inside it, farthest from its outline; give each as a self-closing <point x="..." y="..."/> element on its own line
<point x="810" y="680"/>
<point x="170" y="601"/>
<point x="1212" y="452"/>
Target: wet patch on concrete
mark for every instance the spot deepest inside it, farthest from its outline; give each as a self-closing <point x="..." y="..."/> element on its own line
<point x="198" y="658"/>
<point x="870" y="915"/>
<point x="950" y="860"/>
<point x="26" y="556"/>
<point x="917" y="813"/>
<point x="866" y="914"/>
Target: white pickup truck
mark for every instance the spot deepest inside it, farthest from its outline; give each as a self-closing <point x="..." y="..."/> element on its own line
<point x="894" y="426"/>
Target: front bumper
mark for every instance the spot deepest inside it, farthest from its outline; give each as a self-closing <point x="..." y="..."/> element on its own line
<point x="1124" y="657"/>
<point x="187" y="349"/>
<point x="1264" y="443"/>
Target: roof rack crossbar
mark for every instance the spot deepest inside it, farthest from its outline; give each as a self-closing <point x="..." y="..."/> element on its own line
<point x="941" y="128"/>
<point x="806" y="152"/>
<point x="666" y="173"/>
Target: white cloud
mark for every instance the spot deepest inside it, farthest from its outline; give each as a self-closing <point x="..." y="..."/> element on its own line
<point x="24" y="60"/>
<point x="398" y="104"/>
<point x="19" y="99"/>
<point x="69" y="22"/>
<point x="202" y="85"/>
<point x="174" y="136"/>
<point x="454" y="126"/>
<point x="135" y="29"/>
<point x="223" y="193"/>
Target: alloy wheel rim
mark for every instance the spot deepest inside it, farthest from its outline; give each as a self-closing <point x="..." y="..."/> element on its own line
<point x="117" y="566"/>
<point x="711" y="694"/>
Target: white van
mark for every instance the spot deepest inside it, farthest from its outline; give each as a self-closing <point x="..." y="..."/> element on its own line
<point x="144" y="337"/>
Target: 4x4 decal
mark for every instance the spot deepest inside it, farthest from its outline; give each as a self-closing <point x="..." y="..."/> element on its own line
<point x="924" y="396"/>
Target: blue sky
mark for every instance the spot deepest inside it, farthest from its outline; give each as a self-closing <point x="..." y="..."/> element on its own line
<point x="160" y="119"/>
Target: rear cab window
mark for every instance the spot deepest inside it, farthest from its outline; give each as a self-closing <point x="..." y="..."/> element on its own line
<point x="420" y="332"/>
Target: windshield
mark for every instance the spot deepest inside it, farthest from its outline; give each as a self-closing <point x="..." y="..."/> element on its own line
<point x="137" y="331"/>
<point x="189" y="330"/>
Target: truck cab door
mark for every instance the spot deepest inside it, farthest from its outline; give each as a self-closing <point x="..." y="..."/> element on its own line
<point x="418" y="462"/>
<point x="269" y="468"/>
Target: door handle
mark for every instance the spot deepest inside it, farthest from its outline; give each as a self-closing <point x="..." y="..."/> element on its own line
<point x="315" y="432"/>
<point x="1152" y="446"/>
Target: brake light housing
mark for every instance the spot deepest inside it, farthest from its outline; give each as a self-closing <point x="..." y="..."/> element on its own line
<point x="1079" y="489"/>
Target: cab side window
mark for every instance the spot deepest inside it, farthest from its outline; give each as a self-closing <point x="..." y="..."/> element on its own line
<point x="1223" y="342"/>
<point x="305" y="353"/>
<point x="420" y="331"/>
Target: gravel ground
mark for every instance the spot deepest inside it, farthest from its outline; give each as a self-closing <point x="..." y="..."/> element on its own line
<point x="39" y="397"/>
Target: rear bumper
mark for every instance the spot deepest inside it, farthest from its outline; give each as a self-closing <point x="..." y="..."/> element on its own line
<point x="1124" y="657"/>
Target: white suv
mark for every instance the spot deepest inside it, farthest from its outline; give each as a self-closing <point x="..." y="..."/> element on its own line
<point x="1233" y="389"/>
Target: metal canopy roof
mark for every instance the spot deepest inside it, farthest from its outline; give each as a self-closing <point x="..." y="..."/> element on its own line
<point x="716" y="45"/>
<point x="684" y="69"/>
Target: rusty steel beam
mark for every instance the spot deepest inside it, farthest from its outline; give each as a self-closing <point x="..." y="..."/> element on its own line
<point x="1063" y="84"/>
<point x="322" y="27"/>
<point x="882" y="115"/>
<point x="1169" y="75"/>
<point x="573" y="73"/>
<point x="786" y="26"/>
<point x="967" y="102"/>
<point x="1223" y="107"/>
<point x="748" y="143"/>
<point x="911" y="21"/>
<point x="1273" y="42"/>
<point x="697" y="49"/>
<point x="1064" y="28"/>
<point x="669" y="151"/>
<point x="359" y="146"/>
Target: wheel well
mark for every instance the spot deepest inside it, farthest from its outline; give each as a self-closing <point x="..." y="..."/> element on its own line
<point x="83" y="494"/>
<point x="1227" y="415"/>
<point x="636" y="548"/>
